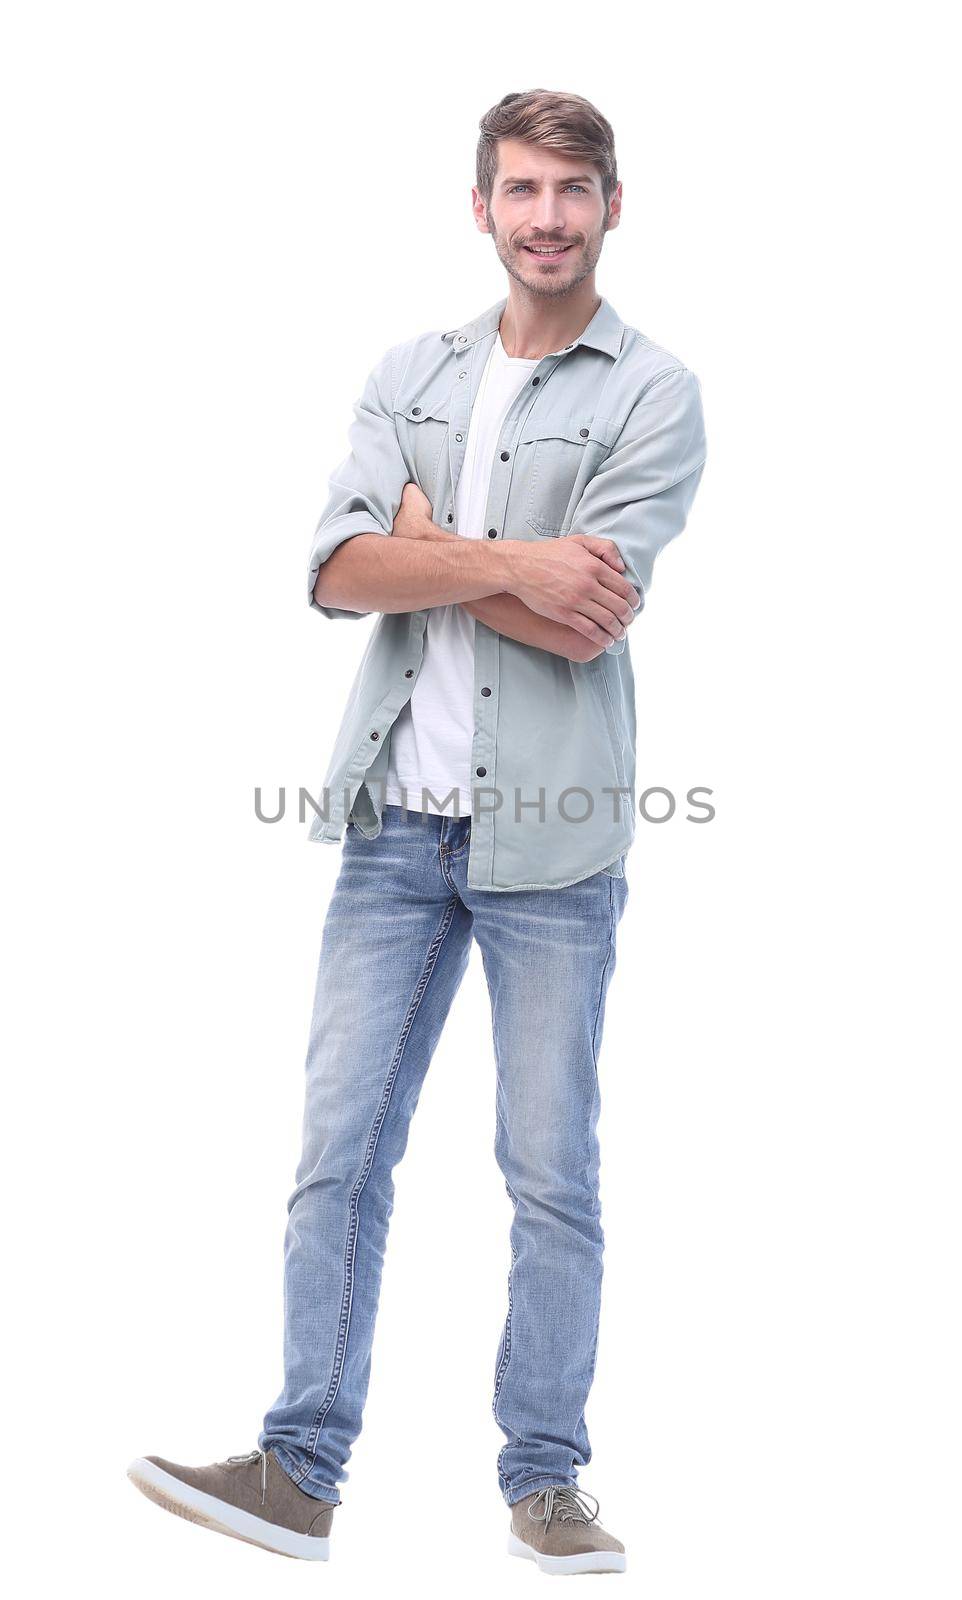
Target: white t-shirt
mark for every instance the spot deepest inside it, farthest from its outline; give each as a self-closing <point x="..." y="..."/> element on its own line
<point x="432" y="736"/>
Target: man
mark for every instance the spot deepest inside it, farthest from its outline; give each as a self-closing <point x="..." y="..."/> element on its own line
<point x="509" y="485"/>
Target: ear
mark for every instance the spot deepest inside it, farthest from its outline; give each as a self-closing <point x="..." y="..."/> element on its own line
<point x="480" y="211"/>
<point x="614" y="208"/>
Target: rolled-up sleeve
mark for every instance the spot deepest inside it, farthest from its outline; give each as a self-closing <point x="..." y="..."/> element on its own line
<point x="365" y="489"/>
<point x="642" y="493"/>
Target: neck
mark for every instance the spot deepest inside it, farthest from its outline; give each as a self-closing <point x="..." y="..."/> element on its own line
<point x="534" y="325"/>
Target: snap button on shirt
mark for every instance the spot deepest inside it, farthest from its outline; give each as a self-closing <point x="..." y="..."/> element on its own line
<point x="610" y="443"/>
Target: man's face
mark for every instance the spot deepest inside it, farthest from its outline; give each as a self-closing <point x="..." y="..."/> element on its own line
<point x="546" y="216"/>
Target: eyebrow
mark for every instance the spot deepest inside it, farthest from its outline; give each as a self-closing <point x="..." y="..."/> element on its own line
<point x="577" y="177"/>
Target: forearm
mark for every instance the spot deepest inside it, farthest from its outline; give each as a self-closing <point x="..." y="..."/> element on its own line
<point x="568" y="597"/>
<point x="506" y="614"/>
<point x="371" y="572"/>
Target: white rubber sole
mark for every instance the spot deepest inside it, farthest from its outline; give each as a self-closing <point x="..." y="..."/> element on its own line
<point x="195" y="1506"/>
<point x="591" y="1561"/>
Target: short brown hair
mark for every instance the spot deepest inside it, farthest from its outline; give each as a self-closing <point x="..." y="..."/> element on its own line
<point x="547" y="117"/>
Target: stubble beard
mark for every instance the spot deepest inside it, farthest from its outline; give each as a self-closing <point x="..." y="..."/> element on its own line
<point x="544" y="284"/>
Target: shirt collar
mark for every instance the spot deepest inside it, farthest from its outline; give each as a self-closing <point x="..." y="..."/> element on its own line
<point x="604" y="332"/>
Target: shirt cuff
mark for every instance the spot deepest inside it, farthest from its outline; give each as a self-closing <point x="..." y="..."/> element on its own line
<point x="326" y="541"/>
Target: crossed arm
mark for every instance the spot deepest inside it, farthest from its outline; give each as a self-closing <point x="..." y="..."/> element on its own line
<point x="568" y="597"/>
<point x="573" y="596"/>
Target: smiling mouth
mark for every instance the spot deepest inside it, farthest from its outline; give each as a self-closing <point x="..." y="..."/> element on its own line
<point x="552" y="252"/>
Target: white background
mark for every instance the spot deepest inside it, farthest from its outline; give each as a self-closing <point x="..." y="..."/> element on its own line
<point x="218" y="217"/>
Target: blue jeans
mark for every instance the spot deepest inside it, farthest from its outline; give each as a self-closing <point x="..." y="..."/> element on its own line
<point x="394" y="950"/>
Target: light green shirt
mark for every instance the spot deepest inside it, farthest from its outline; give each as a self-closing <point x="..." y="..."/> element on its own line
<point x="607" y="437"/>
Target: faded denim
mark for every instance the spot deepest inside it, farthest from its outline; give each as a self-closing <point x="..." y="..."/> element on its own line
<point x="395" y="947"/>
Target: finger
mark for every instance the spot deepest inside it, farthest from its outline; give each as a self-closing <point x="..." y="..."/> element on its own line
<point x="609" y="553"/>
<point x="412" y="492"/>
<point x="618" y="585"/>
<point x="611" y="622"/>
<point x="583" y="624"/>
<point x="621" y="587"/>
<point x="615" y="622"/>
<point x="610" y="600"/>
<point x="613" y="558"/>
<point x="605" y="549"/>
<point x="588" y="630"/>
<point x="613" y="575"/>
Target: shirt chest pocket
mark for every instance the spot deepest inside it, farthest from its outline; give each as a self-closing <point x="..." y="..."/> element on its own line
<point x="422" y="430"/>
<point x="558" y="457"/>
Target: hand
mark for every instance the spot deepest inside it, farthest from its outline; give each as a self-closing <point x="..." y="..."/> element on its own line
<point x="569" y="582"/>
<point x="413" y="520"/>
<point x="606" y="549"/>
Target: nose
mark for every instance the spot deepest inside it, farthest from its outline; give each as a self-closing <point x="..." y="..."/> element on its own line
<point x="546" y="215"/>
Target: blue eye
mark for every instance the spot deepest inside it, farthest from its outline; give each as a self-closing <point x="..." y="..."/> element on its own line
<point x="579" y="186"/>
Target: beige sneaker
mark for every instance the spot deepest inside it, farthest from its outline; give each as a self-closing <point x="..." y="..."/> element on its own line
<point x="554" y="1529"/>
<point x="248" y="1497"/>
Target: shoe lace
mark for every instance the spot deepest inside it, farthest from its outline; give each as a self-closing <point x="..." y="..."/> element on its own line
<point x="254" y="1455"/>
<point x="569" y="1504"/>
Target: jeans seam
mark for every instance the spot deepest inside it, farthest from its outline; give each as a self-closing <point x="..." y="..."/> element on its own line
<point x="505" y="1355"/>
<point x="604" y="970"/>
<point x="448" y="853"/>
<point x="593" y="1358"/>
<point x="344" y="1323"/>
<point x="330" y="1491"/>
